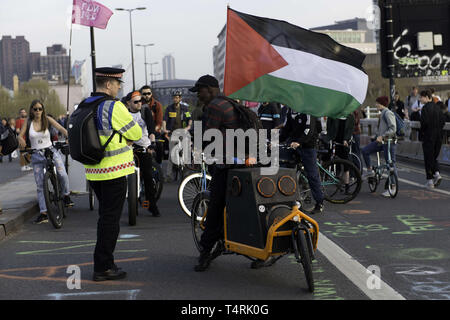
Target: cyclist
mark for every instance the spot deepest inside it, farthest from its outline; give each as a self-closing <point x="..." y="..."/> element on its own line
<point x="35" y="134"/>
<point x="176" y="116"/>
<point x="341" y="130"/>
<point x="142" y="115"/>
<point x="300" y="133"/>
<point x="386" y="130"/>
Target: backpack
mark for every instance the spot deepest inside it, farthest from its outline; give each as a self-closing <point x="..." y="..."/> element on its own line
<point x="247" y="118"/>
<point x="84" y="140"/>
<point x="8" y="141"/>
<point x="399" y="124"/>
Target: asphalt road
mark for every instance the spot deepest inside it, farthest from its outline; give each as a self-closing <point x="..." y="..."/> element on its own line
<point x="405" y="238"/>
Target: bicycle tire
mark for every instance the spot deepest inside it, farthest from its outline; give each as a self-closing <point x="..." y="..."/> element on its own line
<point x="189" y="188"/>
<point x="305" y="197"/>
<point x="198" y="218"/>
<point x="337" y="192"/>
<point x="302" y="247"/>
<point x="158" y="179"/>
<point x="373" y="183"/>
<point x="356" y="161"/>
<point x="53" y="199"/>
<point x="132" y="199"/>
<point x="391" y="180"/>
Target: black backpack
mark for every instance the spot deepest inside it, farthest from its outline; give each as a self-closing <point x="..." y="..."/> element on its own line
<point x="84" y="140"/>
<point x="8" y="141"/>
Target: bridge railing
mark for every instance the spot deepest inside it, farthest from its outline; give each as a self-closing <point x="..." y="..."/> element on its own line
<point x="408" y="146"/>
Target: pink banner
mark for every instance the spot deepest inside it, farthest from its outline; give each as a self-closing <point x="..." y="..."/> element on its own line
<point x="90" y="13"/>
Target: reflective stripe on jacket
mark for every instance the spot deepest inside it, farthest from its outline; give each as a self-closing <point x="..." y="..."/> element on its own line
<point x="118" y="161"/>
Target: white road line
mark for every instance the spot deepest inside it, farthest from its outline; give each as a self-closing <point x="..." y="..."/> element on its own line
<point x="131" y="294"/>
<point x="423" y="186"/>
<point x="354" y="271"/>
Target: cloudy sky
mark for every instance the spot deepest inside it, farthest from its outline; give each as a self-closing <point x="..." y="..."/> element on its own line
<point x="187" y="29"/>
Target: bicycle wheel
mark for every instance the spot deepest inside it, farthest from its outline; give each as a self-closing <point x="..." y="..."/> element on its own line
<point x="373" y="183"/>
<point x="356" y="161"/>
<point x="302" y="253"/>
<point x="392" y="184"/>
<point x="53" y="199"/>
<point x="198" y="218"/>
<point x="158" y="180"/>
<point x="304" y="193"/>
<point x="132" y="199"/>
<point x="333" y="181"/>
<point x="189" y="188"/>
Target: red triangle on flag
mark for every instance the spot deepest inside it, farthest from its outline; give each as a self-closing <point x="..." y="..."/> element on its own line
<point x="248" y="55"/>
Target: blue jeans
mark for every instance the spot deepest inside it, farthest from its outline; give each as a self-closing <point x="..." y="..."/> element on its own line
<point x="374" y="147"/>
<point x="38" y="162"/>
<point x="309" y="160"/>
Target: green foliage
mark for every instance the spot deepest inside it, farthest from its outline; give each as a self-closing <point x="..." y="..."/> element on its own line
<point x="29" y="91"/>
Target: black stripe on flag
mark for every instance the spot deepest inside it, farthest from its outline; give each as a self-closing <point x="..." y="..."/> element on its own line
<point x="283" y="34"/>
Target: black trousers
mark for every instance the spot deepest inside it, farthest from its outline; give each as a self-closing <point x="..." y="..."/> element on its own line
<point x="431" y="150"/>
<point x="111" y="197"/>
<point x="146" y="167"/>
<point x="214" y="221"/>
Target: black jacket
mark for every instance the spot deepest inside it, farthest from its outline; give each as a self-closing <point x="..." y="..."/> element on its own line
<point x="300" y="128"/>
<point x="333" y="127"/>
<point x="432" y="121"/>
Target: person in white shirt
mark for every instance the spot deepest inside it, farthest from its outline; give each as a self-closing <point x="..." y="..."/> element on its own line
<point x="36" y="134"/>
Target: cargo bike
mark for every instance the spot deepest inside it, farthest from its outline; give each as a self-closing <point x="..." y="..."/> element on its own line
<point x="262" y="220"/>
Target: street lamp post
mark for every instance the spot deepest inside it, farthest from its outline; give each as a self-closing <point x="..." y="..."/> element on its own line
<point x="145" y="57"/>
<point x="151" y="71"/>
<point x="131" y="36"/>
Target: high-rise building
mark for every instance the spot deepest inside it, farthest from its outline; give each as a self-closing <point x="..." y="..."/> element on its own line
<point x="168" y="67"/>
<point x="219" y="57"/>
<point x="14" y="60"/>
<point x="56" y="63"/>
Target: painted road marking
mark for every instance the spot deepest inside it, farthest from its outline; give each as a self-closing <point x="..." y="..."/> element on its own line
<point x="130" y="294"/>
<point x="423" y="186"/>
<point x="354" y="271"/>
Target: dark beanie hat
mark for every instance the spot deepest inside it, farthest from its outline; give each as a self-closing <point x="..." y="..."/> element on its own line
<point x="383" y="100"/>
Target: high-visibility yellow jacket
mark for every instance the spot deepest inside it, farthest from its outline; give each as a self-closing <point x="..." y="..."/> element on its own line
<point x="118" y="161"/>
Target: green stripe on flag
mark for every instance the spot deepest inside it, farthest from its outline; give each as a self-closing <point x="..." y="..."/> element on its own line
<point x="308" y="99"/>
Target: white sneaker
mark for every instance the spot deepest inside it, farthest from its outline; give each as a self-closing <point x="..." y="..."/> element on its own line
<point x="24" y="168"/>
<point x="429" y="184"/>
<point x="29" y="168"/>
<point x="437" y="179"/>
<point x="386" y="194"/>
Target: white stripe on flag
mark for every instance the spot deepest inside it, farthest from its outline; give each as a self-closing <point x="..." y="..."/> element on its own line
<point x="316" y="71"/>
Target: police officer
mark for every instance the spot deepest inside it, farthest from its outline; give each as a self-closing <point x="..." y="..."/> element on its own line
<point x="108" y="178"/>
<point x="176" y="116"/>
<point x="300" y="133"/>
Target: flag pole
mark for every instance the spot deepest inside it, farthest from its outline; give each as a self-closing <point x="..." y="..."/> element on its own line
<point x="93" y="59"/>
<point x="68" y="90"/>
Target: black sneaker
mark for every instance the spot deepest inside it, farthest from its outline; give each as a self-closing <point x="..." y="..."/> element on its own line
<point x="68" y="202"/>
<point x="317" y="209"/>
<point x="111" y="274"/>
<point x="203" y="261"/>
<point x="42" y="218"/>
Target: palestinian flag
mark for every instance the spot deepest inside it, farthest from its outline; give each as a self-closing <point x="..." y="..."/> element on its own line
<point x="274" y="61"/>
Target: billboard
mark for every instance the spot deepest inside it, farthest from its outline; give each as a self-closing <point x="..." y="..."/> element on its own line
<point x="421" y="38"/>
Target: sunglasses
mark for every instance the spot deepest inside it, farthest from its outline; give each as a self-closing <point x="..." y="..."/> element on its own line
<point x="146" y="93"/>
<point x="38" y="109"/>
<point x="137" y="101"/>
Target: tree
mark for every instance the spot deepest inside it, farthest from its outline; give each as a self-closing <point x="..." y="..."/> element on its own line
<point x="6" y="104"/>
<point x="38" y="89"/>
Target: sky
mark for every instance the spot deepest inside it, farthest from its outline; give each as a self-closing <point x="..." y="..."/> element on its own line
<point x="187" y="29"/>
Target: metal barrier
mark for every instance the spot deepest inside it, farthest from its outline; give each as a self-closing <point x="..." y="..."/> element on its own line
<point x="408" y="146"/>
